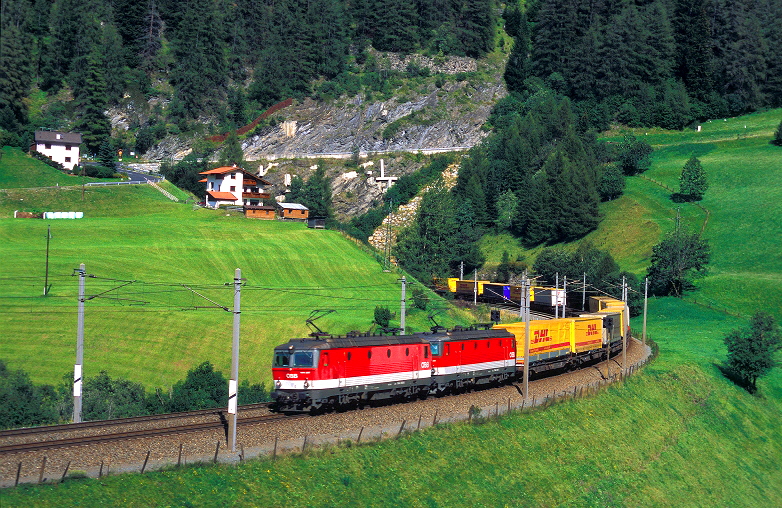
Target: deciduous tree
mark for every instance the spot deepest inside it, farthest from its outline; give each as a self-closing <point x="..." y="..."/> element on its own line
<point x="676" y="261"/>
<point x="751" y="350"/>
<point x="693" y="183"/>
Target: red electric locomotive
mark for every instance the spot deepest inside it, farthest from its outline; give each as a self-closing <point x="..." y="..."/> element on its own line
<point x="316" y="374"/>
<point x="466" y="358"/>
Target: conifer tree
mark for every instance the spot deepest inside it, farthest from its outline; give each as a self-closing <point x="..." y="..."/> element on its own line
<point x="693" y="183"/>
<point x="91" y="103"/>
<point x="232" y="154"/>
<point x="778" y="135"/>
<point x="14" y="77"/>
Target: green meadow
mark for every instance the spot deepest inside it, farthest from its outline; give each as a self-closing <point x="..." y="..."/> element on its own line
<point x="676" y="434"/>
<point x="18" y="170"/>
<point x="180" y="259"/>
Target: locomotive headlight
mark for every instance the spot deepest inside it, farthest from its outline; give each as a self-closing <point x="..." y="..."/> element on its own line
<point x="306" y="384"/>
<point x="278" y="384"/>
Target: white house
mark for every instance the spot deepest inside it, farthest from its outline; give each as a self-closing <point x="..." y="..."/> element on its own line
<point x="230" y="185"/>
<point x="62" y="147"/>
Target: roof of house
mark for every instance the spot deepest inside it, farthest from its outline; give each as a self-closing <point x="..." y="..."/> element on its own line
<point x="58" y="137"/>
<point x="202" y="180"/>
<point x="222" y="195"/>
<point x="258" y="207"/>
<point x="230" y="169"/>
<point x="292" y="206"/>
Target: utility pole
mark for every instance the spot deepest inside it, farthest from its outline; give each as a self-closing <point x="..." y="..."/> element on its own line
<point x="646" y="292"/>
<point x="402" y="304"/>
<point x="626" y="326"/>
<point x="564" y="296"/>
<point x="678" y="218"/>
<point x="46" y="280"/>
<point x="475" y="288"/>
<point x="522" y="297"/>
<point x="525" y="299"/>
<point x="584" y="293"/>
<point x="556" y="297"/>
<point x="77" y="368"/>
<point x="461" y="270"/>
<point x="233" y="383"/>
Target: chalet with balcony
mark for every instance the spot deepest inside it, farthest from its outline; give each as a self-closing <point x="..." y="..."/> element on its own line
<point x="62" y="147"/>
<point x="234" y="186"/>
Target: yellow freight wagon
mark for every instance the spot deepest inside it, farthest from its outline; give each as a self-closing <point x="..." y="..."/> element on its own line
<point x="586" y="334"/>
<point x="549" y="341"/>
<point x="467" y="287"/>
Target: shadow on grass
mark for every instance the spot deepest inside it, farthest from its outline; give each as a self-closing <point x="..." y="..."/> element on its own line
<point x="734" y="377"/>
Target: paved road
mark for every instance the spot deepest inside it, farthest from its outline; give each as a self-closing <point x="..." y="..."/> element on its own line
<point x="136" y="176"/>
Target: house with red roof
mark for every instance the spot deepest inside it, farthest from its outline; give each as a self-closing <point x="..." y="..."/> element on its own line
<point x="234" y="186"/>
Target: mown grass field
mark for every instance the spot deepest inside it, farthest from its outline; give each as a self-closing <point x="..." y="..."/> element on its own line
<point x="137" y="234"/>
<point x="18" y="170"/>
<point x="676" y="434"/>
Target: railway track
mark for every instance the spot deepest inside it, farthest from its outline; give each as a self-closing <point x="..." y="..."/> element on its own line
<point x="72" y="427"/>
<point x="137" y="434"/>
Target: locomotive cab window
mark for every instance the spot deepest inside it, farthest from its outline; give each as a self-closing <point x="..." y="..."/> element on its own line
<point x="282" y="359"/>
<point x="436" y="348"/>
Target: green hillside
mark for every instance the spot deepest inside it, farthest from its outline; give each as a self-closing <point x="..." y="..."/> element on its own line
<point x="676" y="434"/>
<point x="20" y="171"/>
<point x="137" y="234"/>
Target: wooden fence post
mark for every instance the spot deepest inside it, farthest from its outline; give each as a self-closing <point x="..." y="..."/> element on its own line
<point x="358" y="441"/>
<point x="145" y="462"/>
<point x="274" y="454"/>
<point x="217" y="450"/>
<point x="18" y="472"/>
<point x="179" y="459"/>
<point x="64" y="473"/>
<point x="304" y="446"/>
<point x="401" y="428"/>
<point x="100" y="471"/>
<point x="43" y="468"/>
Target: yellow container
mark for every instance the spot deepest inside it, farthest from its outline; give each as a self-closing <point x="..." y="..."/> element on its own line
<point x="546" y="337"/>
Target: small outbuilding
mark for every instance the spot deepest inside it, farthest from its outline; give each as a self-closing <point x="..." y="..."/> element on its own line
<point x="259" y="212"/>
<point x="316" y="223"/>
<point x="292" y="211"/>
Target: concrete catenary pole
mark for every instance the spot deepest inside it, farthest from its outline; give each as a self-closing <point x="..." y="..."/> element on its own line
<point x="46" y="279"/>
<point x="626" y="322"/>
<point x="556" y="297"/>
<point x="584" y="293"/>
<point x="233" y="383"/>
<point x="475" y="287"/>
<point x="525" y="297"/>
<point x="646" y="293"/>
<point x="402" y="305"/>
<point x="461" y="270"/>
<point x="77" y="368"/>
<point x="564" y="296"/>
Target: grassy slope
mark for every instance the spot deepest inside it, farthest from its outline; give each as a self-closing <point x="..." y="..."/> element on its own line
<point x="19" y="170"/>
<point x="137" y="234"/>
<point x="678" y="434"/>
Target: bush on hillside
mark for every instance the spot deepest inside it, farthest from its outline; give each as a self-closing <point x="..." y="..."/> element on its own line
<point x="751" y="350"/>
<point x="46" y="160"/>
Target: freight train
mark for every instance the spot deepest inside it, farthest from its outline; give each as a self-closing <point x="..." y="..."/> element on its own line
<point x="541" y="298"/>
<point x="322" y="373"/>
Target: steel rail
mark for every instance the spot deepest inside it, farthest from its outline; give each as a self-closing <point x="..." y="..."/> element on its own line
<point x="72" y="427"/>
<point x="138" y="434"/>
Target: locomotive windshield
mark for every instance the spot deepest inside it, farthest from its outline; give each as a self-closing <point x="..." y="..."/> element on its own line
<point x="436" y="348"/>
<point x="303" y="358"/>
<point x="294" y="358"/>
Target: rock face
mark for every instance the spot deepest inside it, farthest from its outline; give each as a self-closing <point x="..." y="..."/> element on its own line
<point x="442" y="118"/>
<point x="405" y="215"/>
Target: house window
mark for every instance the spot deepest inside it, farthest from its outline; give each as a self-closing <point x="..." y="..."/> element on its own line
<point x="67" y="159"/>
<point x="48" y="146"/>
<point x="59" y="136"/>
<point x="68" y="147"/>
<point x="233" y="188"/>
